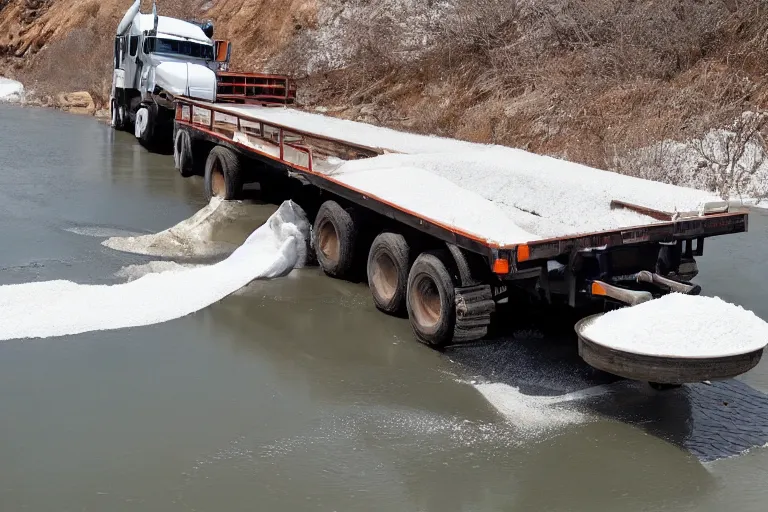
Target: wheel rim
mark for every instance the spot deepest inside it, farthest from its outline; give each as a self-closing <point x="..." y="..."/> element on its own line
<point x="426" y="304"/>
<point x="328" y="241"/>
<point x="218" y="184"/>
<point x="142" y="120"/>
<point x="385" y="276"/>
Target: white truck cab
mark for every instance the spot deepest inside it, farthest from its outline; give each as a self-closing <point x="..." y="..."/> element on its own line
<point x="155" y="59"/>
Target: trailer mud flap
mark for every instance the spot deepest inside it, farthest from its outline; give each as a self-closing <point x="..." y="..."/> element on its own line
<point x="474" y="305"/>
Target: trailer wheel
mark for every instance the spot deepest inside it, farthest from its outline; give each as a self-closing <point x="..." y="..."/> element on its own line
<point x="182" y="154"/>
<point x="388" y="262"/>
<point x="335" y="234"/>
<point x="431" y="300"/>
<point x="223" y="176"/>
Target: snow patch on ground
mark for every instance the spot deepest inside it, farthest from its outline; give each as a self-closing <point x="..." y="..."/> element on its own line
<point x="686" y="164"/>
<point x="59" y="308"/>
<point x="678" y="325"/>
<point x="11" y="90"/>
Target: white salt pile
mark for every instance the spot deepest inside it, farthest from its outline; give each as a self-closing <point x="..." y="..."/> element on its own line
<point x="191" y="238"/>
<point x="11" y="90"/>
<point x="684" y="326"/>
<point x="58" y="308"/>
<point x="545" y="197"/>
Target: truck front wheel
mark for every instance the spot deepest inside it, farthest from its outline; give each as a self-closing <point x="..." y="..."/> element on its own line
<point x="334" y="236"/>
<point x="223" y="175"/>
<point x="143" y="126"/>
<point x="388" y="262"/>
<point x="431" y="299"/>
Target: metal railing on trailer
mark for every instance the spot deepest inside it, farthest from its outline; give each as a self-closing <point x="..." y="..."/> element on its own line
<point x="254" y="88"/>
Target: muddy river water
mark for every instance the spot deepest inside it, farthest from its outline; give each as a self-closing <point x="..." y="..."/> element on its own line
<point x="295" y="394"/>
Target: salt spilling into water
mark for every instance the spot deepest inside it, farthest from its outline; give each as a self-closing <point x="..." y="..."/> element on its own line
<point x="58" y="308"/>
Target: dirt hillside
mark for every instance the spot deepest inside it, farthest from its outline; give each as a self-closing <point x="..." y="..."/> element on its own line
<point x="589" y="80"/>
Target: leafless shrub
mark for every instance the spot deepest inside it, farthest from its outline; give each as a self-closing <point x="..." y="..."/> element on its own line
<point x="732" y="159"/>
<point x="664" y="161"/>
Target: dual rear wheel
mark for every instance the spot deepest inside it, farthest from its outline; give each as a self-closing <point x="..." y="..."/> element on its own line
<point x="422" y="287"/>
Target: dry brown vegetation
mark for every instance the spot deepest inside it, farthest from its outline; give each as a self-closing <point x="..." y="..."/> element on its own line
<point x="583" y="79"/>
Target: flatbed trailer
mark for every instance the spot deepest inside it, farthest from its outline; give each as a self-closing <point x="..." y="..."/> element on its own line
<point x="447" y="279"/>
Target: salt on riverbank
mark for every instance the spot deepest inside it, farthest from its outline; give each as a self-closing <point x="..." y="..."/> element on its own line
<point x="11" y="90"/>
<point x="59" y="308"/>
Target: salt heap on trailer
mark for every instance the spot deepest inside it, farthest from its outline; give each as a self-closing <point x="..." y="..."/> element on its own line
<point x="680" y="326"/>
<point x="503" y="195"/>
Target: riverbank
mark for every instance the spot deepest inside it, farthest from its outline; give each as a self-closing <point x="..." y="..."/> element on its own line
<point x="78" y="102"/>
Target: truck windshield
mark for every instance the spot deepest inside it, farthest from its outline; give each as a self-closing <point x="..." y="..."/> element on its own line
<point x="176" y="47"/>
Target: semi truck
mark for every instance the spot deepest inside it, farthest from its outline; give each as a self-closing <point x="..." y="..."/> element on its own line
<point x="157" y="58"/>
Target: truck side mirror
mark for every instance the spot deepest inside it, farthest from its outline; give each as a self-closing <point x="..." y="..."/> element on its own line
<point x="223" y="50"/>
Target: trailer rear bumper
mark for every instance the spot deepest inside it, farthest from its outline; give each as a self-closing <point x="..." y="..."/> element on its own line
<point x="667" y="232"/>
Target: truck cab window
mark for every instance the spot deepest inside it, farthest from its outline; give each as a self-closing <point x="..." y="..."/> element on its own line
<point x="176" y="47"/>
<point x="134" y="45"/>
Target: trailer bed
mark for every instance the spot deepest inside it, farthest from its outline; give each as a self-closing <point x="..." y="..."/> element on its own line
<point x="483" y="198"/>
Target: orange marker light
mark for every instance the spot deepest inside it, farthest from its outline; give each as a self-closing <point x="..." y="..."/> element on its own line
<point x="501" y="266"/>
<point x="523" y="253"/>
<point x="598" y="289"/>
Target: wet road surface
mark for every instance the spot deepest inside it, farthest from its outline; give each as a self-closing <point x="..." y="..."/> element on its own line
<point x="296" y="394"/>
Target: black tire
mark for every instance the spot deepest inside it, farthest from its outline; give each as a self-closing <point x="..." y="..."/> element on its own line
<point x="388" y="265"/>
<point x="118" y="116"/>
<point x="182" y="154"/>
<point x="144" y="126"/>
<point x="335" y="236"/>
<point x="223" y="175"/>
<point x="431" y="298"/>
